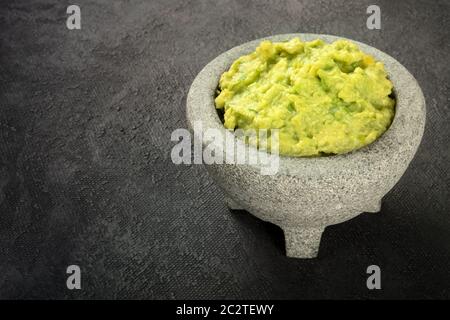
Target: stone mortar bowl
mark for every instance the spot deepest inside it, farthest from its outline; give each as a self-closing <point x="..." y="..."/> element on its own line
<point x="308" y="194"/>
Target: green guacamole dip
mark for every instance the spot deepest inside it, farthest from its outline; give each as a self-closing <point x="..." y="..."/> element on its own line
<point x="323" y="98"/>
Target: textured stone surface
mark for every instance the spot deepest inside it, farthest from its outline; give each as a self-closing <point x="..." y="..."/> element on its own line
<point x="86" y="177"/>
<point x="308" y="194"/>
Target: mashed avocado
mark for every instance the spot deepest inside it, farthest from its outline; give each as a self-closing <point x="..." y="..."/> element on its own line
<point x="323" y="98"/>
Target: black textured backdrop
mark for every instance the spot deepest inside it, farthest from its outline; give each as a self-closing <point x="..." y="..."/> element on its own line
<point x="86" y="176"/>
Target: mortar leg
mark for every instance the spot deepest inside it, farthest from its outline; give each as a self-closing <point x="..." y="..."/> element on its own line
<point x="374" y="207"/>
<point x="233" y="205"/>
<point x="302" y="242"/>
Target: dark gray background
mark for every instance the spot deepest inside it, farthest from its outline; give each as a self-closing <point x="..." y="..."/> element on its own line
<point x="86" y="176"/>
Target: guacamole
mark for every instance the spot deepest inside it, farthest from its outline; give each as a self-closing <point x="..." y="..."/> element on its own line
<point x="323" y="98"/>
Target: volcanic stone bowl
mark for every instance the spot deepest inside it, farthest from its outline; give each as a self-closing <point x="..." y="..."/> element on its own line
<point x="308" y="194"/>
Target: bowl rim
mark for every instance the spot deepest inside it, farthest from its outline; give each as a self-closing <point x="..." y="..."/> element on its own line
<point x="402" y="138"/>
